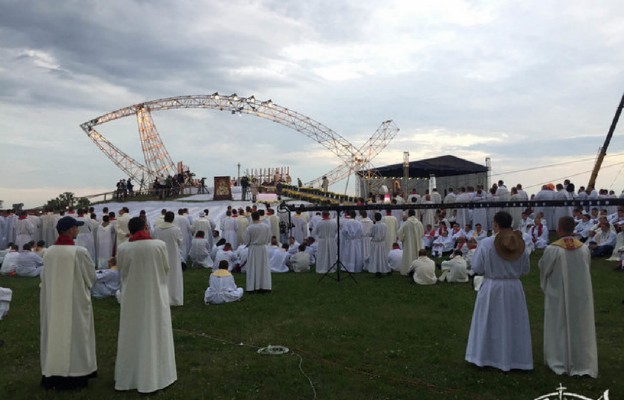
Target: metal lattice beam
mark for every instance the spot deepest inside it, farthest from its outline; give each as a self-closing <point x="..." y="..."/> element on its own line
<point x="364" y="155"/>
<point x="129" y="165"/>
<point x="157" y="157"/>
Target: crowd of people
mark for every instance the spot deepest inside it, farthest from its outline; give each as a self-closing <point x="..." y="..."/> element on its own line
<point x="131" y="258"/>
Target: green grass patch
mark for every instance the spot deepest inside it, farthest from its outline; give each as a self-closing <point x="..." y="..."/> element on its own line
<point x="379" y="338"/>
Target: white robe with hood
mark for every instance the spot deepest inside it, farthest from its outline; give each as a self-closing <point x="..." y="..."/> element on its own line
<point x="145" y="350"/>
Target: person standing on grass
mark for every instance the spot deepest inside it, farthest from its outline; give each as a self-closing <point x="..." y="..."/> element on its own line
<point x="500" y="335"/>
<point x="257" y="237"/>
<point x="145" y="351"/>
<point x="172" y="236"/>
<point x="378" y="259"/>
<point x="67" y="331"/>
<point x="569" y="329"/>
<point x="121" y="226"/>
<point x="410" y="234"/>
<point x="326" y="230"/>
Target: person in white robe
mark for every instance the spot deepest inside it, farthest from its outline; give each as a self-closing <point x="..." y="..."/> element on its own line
<point x="428" y="214"/>
<point x="29" y="264"/>
<point x="225" y="253"/>
<point x="480" y="214"/>
<point x="545" y="194"/>
<point x="105" y="239"/>
<point x="6" y="295"/>
<point x="569" y="329"/>
<point x="311" y="249"/>
<point x="604" y="240"/>
<point x="145" y="350"/>
<point x="299" y="227"/>
<point x="48" y="227"/>
<point x="395" y="257"/>
<point x="107" y="281"/>
<point x="293" y="245"/>
<point x="68" y="358"/>
<point x="392" y="228"/>
<point x="242" y="255"/>
<point x="199" y="252"/>
<point x="525" y="221"/>
<point x="40" y="248"/>
<point x="257" y="237"/>
<point x="229" y="229"/>
<point x="462" y="215"/>
<point x="274" y="221"/>
<point x="9" y="228"/>
<point x="182" y="222"/>
<point x="121" y="226"/>
<point x="279" y="258"/>
<point x="24" y="230"/>
<point x="471" y="249"/>
<point x="428" y="237"/>
<point x="243" y="223"/>
<point x="539" y="234"/>
<point x="454" y="270"/>
<point x="222" y="287"/>
<point x="410" y="234"/>
<point x="378" y="258"/>
<point x="300" y="261"/>
<point x="367" y="225"/>
<point x="560" y="211"/>
<point x="423" y="269"/>
<point x="442" y="244"/>
<point x="581" y="230"/>
<point x="9" y="263"/>
<point x="172" y="236"/>
<point x="326" y="231"/>
<point x="314" y="221"/>
<point x="516" y="212"/>
<point x="479" y="233"/>
<point x="85" y="234"/>
<point x="500" y="335"/>
<point x="202" y="223"/>
<point x="351" y="243"/>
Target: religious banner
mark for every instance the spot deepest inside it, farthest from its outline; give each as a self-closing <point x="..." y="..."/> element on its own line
<point x="222" y="189"/>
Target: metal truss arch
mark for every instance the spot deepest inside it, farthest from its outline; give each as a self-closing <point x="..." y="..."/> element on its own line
<point x="157" y="159"/>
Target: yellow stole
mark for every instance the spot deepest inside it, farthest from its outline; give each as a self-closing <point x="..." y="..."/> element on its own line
<point x="568" y="243"/>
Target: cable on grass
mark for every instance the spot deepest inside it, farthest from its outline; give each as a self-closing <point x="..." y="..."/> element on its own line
<point x="271" y="350"/>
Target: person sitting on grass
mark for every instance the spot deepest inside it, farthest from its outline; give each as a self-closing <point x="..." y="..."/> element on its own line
<point x="200" y="251"/>
<point x="395" y="257"/>
<point x="603" y="242"/>
<point x="222" y="287"/>
<point x="455" y="269"/>
<point x="279" y="258"/>
<point x="29" y="264"/>
<point x="442" y="244"/>
<point x="300" y="261"/>
<point x="107" y="281"/>
<point x="9" y="264"/>
<point x="226" y="254"/>
<point x="422" y="269"/>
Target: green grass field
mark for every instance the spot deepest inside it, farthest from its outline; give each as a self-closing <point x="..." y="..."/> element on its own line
<point x="379" y="338"/>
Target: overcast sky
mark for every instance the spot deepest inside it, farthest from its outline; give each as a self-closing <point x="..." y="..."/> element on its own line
<point x="527" y="83"/>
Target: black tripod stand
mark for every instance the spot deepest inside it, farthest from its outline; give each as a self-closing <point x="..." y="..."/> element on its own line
<point x="338" y="265"/>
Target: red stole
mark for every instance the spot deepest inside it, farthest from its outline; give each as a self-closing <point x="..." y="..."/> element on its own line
<point x="64" y="240"/>
<point x="140" y="235"/>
